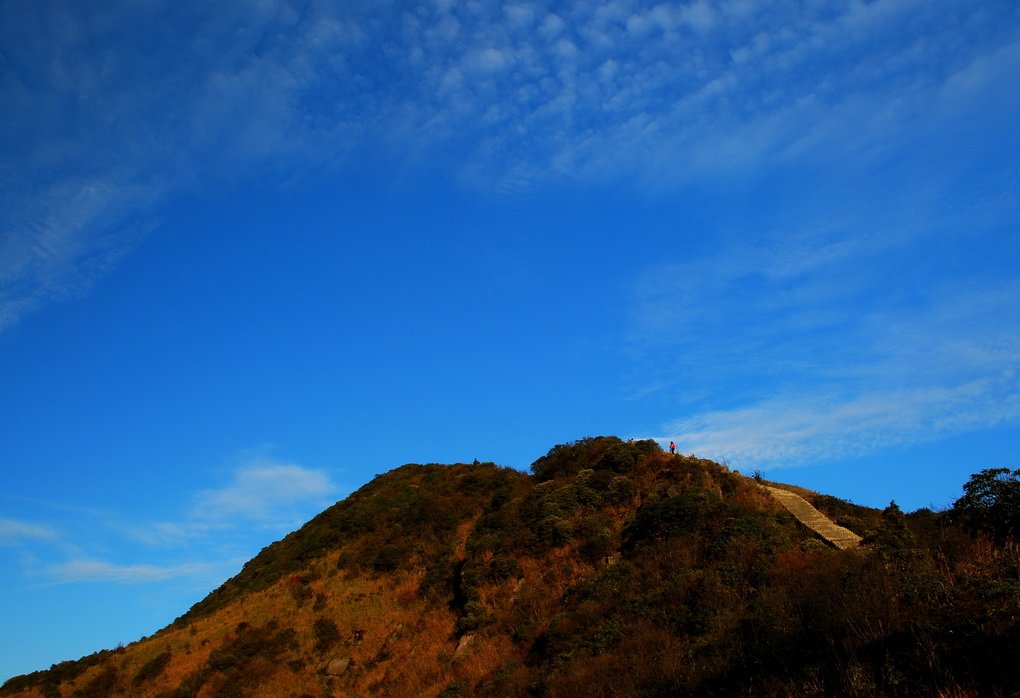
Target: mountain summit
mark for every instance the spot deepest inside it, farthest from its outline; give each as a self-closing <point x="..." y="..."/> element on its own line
<point x="613" y="569"/>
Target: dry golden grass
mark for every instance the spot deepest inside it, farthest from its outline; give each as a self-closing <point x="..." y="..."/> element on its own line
<point x="405" y="646"/>
<point x="669" y="605"/>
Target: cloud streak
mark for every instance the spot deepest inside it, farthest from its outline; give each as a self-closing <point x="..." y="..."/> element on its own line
<point x="529" y="94"/>
<point x="262" y="490"/>
<point x="790" y="431"/>
<point x="218" y="526"/>
<point x="817" y="347"/>
<point x="97" y="571"/>
<point x="507" y="96"/>
<point x="62" y="241"/>
<point x="14" y="532"/>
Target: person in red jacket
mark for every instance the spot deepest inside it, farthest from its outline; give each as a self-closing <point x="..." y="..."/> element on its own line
<point x="672" y="447"/>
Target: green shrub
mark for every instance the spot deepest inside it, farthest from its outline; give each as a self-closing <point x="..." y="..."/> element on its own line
<point x="101" y="685"/>
<point x="502" y="567"/>
<point x="327" y="634"/>
<point x="673" y="515"/>
<point x="598" y="545"/>
<point x="620" y="490"/>
<point x="553" y="531"/>
<point x="454" y="689"/>
<point x="388" y="558"/>
<point x="475" y="616"/>
<point x="570" y="458"/>
<point x="438" y="581"/>
<point x="152" y="668"/>
<point x="620" y="458"/>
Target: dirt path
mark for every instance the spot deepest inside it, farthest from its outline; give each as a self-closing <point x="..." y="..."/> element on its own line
<point x="814" y="519"/>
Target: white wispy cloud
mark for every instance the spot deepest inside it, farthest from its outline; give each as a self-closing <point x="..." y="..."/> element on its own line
<point x="510" y="96"/>
<point x="14" y="532"/>
<point x="211" y="538"/>
<point x="827" y="349"/>
<point x="57" y="242"/>
<point x="274" y="495"/>
<point x="173" y="534"/>
<point x="263" y="490"/>
<point x="794" y="430"/>
<point x="98" y="571"/>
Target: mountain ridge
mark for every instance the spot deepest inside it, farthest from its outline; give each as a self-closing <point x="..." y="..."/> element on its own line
<point x="612" y="569"/>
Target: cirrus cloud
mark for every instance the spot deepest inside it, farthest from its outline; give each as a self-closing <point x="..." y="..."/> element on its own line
<point x="264" y="489"/>
<point x="14" y="532"/>
<point x="507" y="98"/>
<point x="98" y="571"/>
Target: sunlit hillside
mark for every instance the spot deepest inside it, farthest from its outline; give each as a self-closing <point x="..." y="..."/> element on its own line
<point x="614" y="569"/>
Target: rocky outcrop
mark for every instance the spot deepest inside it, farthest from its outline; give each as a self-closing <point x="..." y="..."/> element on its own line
<point x="336" y="667"/>
<point x="464" y="646"/>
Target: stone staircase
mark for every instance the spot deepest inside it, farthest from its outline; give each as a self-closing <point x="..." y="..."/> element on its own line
<point x="812" y="518"/>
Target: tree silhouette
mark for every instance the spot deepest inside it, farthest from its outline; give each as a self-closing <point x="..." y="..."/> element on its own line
<point x="990" y="503"/>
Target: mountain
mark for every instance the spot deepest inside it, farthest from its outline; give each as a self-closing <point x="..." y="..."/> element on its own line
<point x="613" y="569"/>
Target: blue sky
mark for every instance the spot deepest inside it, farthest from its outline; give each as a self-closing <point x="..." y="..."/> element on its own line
<point x="254" y="253"/>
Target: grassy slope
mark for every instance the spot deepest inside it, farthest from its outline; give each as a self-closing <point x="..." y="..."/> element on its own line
<point x="615" y="570"/>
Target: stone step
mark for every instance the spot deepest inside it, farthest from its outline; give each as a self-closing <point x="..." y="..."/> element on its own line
<point x="812" y="518"/>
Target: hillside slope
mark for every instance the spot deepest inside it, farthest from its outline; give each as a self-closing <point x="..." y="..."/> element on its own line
<point x="613" y="570"/>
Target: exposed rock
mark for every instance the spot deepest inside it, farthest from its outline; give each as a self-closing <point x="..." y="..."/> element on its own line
<point x="464" y="646"/>
<point x="336" y="667"/>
